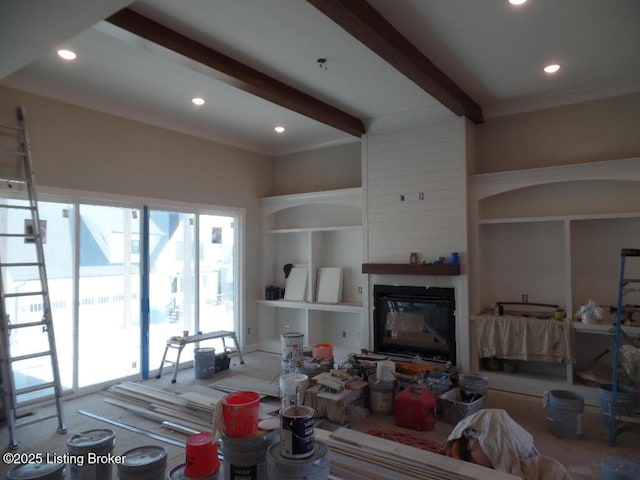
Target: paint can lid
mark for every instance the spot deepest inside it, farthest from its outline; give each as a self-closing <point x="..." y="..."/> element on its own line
<point x="92" y="438"/>
<point x="37" y="471"/>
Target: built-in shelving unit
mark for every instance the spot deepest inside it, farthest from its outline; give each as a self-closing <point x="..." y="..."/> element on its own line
<point x="312" y="230"/>
<point x="554" y="235"/>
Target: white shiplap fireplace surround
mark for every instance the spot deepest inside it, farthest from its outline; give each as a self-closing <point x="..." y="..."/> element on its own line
<point x="415" y="192"/>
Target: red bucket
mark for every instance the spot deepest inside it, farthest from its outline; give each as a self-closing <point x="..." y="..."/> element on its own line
<point x="201" y="458"/>
<point x="240" y="413"/>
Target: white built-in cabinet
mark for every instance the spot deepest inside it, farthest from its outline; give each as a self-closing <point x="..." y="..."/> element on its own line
<point x="312" y="230"/>
<point x="554" y="234"/>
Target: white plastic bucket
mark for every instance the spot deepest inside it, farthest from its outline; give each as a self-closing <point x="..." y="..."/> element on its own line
<point x="385" y="370"/>
<point x="292" y="388"/>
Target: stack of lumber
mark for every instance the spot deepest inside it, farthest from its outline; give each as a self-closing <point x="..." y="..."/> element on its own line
<point x="358" y="456"/>
<point x="193" y="410"/>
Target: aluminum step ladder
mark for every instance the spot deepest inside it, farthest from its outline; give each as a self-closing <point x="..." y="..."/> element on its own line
<point x="28" y="357"/>
<point x="625" y="285"/>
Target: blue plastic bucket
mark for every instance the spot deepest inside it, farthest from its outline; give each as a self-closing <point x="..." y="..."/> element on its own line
<point x="565" y="411"/>
<point x="625" y="401"/>
<point x="618" y="468"/>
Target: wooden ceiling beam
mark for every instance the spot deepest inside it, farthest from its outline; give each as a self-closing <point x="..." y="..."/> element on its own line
<point x="368" y="26"/>
<point x="237" y="74"/>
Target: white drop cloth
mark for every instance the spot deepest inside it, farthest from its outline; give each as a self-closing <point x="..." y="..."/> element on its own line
<point x="508" y="446"/>
<point x="523" y="338"/>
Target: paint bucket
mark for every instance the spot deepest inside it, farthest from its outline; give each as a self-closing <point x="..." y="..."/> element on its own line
<point x="474" y="383"/>
<point x="99" y="442"/>
<point x="297" y="431"/>
<point x="625" y="400"/>
<point x="382" y="396"/>
<point x="245" y="458"/>
<point x="292" y="345"/>
<point x="240" y="414"/>
<point x="177" y="473"/>
<point x="565" y="411"/>
<point x="201" y="456"/>
<point x="292" y="388"/>
<point x="322" y="351"/>
<point x="315" y="467"/>
<point x="385" y="371"/>
<point x="148" y="462"/>
<point x="619" y="468"/>
<point x="204" y="362"/>
<point x="37" y="471"/>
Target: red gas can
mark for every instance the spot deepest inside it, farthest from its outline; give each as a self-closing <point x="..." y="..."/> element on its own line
<point x="415" y="407"/>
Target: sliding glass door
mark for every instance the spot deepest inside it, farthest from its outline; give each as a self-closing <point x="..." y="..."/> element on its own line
<point x="217" y="279"/>
<point x="93" y="255"/>
<point x="109" y="294"/>
<point x="172" y="281"/>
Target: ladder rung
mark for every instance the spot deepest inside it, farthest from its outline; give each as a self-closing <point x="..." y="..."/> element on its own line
<point x="12" y="127"/>
<point x="20" y="180"/>
<point x="18" y="235"/>
<point x="12" y="153"/>
<point x="16" y="326"/>
<point x="29" y="356"/>
<point x="35" y="388"/>
<point x="23" y="294"/>
<point x="18" y="207"/>
<point x="22" y="264"/>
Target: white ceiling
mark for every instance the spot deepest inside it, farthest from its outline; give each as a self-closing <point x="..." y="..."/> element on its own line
<point x="492" y="50"/>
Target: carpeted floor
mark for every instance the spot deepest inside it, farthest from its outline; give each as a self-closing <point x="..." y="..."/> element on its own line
<point x="582" y="458"/>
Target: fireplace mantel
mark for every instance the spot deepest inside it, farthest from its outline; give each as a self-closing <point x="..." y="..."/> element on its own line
<point x="411" y="268"/>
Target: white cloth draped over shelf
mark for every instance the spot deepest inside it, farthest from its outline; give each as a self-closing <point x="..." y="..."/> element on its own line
<point x="524" y="338"/>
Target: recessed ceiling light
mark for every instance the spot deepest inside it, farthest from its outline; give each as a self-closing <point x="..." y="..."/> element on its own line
<point x="67" y="54"/>
<point x="198" y="101"/>
<point x="517" y="2"/>
<point x="553" y="68"/>
<point x="279" y="129"/>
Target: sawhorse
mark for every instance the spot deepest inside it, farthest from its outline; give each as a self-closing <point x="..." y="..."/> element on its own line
<point x="179" y="343"/>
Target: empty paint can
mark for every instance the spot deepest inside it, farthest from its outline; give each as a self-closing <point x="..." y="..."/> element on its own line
<point x="92" y="443"/>
<point x="297" y="431"/>
<point x="281" y="467"/>
<point x="37" y="471"/>
<point x="147" y="462"/>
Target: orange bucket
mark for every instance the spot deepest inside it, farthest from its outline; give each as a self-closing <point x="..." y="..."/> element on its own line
<point x="240" y="414"/>
<point x="201" y="456"/>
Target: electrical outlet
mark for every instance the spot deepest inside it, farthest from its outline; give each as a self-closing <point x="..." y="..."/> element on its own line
<point x="248" y="330"/>
<point x="344" y="334"/>
<point x="359" y="289"/>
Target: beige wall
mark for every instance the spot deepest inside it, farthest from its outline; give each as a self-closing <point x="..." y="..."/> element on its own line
<point x="316" y="170"/>
<point x="585" y="132"/>
<point x="81" y="149"/>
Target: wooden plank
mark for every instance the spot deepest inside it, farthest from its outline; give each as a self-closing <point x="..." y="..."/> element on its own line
<point x="236" y="74"/>
<point x="389" y="456"/>
<point x="368" y="26"/>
